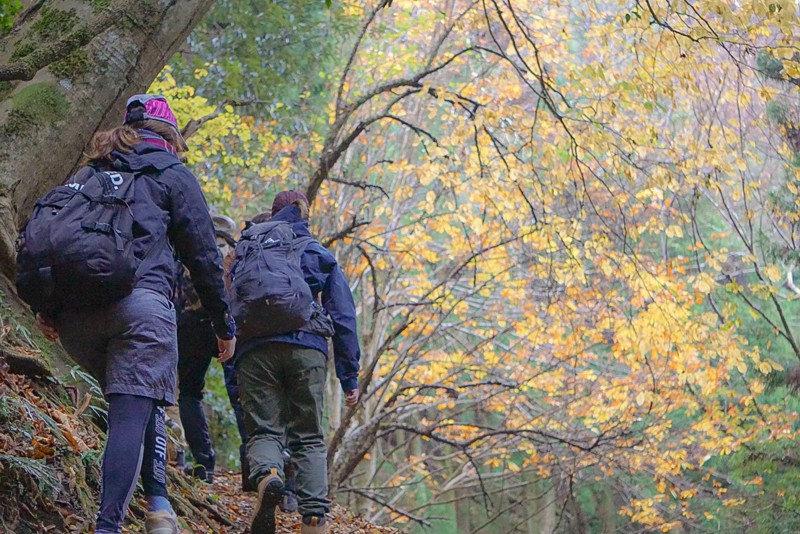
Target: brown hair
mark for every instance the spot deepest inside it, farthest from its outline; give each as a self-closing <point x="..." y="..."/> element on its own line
<point x="301" y="204"/>
<point x="121" y="139"/>
<point x="167" y="131"/>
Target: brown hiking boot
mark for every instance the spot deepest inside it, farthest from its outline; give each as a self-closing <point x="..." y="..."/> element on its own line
<point x="314" y="524"/>
<point x="162" y="522"/>
<point x="270" y="494"/>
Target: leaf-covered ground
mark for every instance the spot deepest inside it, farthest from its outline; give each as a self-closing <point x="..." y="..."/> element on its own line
<point x="50" y="451"/>
<point x="238" y="507"/>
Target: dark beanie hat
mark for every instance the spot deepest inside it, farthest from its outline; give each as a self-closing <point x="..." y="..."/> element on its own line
<point x="284" y="198"/>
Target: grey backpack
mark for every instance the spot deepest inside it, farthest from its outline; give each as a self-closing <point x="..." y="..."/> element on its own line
<point x="269" y="294"/>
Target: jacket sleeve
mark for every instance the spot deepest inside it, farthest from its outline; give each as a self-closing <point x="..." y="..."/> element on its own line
<point x="337" y="299"/>
<point x="192" y="233"/>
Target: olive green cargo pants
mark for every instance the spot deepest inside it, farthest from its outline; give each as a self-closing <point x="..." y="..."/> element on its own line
<point x="281" y="388"/>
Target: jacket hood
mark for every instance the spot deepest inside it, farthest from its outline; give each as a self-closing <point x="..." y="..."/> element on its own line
<point x="291" y="214"/>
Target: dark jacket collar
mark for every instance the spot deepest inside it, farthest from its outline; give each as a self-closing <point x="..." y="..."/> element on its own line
<point x="291" y="214"/>
<point x="147" y="156"/>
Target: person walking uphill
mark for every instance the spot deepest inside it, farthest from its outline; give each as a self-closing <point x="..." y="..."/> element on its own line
<point x="281" y="369"/>
<point x="196" y="349"/>
<point x="129" y="342"/>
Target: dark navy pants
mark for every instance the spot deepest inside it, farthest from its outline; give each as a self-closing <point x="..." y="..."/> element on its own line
<point x="232" y="387"/>
<point x="137" y="440"/>
<point x="197" y="346"/>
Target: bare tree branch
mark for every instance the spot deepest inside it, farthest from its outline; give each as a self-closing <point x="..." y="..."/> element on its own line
<point x="373" y="497"/>
<point x="344" y="232"/>
<point x="361" y="185"/>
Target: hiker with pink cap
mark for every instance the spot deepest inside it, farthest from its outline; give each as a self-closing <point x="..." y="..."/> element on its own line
<point x="129" y="342"/>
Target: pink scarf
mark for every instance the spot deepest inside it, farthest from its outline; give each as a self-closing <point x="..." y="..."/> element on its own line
<point x="155" y="139"/>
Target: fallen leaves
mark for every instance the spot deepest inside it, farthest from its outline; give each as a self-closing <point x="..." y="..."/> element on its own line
<point x="239" y="506"/>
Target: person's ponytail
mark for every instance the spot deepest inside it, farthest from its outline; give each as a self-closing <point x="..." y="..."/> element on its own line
<point x="302" y="205"/>
<point x="122" y="139"/>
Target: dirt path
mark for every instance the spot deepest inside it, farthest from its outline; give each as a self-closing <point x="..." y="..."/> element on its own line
<point x="226" y="494"/>
<point x="50" y="451"/>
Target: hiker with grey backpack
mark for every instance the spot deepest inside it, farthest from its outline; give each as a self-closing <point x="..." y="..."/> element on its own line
<point x="289" y="296"/>
<point x="95" y="262"/>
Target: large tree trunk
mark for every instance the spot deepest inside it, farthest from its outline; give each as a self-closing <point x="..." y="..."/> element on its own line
<point x="66" y="70"/>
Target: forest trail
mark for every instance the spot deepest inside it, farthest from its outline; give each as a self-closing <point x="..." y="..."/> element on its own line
<point x="238" y="507"/>
<point x="50" y="449"/>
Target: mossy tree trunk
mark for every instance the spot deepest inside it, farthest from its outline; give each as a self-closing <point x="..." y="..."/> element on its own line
<point x="66" y="69"/>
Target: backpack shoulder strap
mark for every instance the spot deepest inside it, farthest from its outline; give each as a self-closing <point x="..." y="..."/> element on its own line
<point x="116" y="184"/>
<point x="299" y="244"/>
<point x="83" y="175"/>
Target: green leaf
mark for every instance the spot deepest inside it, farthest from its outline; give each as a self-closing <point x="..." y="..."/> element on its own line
<point x="8" y="11"/>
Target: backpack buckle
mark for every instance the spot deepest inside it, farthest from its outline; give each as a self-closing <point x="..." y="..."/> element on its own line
<point x="104" y="228"/>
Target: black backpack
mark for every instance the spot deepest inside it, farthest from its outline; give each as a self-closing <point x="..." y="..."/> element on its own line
<point x="77" y="249"/>
<point x="269" y="294"/>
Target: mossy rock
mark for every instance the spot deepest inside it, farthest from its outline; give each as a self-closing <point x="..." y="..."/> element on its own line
<point x="17" y="122"/>
<point x="143" y="15"/>
<point x="98" y="5"/>
<point x="36" y="105"/>
<point x="22" y="50"/>
<point x="72" y="66"/>
<point x="53" y="23"/>
<point x="5" y="88"/>
<point x="23" y="331"/>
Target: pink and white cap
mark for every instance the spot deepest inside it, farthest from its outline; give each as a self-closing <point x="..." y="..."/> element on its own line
<point x="155" y="107"/>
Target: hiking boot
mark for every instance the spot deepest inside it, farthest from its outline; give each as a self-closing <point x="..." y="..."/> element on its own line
<point x="270" y="493"/>
<point x="161" y="522"/>
<point x="314" y="524"/>
<point x="200" y="472"/>
<point x="289" y="502"/>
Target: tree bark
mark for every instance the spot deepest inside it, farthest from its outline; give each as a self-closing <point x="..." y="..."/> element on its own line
<point x="77" y="62"/>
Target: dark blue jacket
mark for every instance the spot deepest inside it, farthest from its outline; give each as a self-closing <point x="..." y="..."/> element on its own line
<point x="323" y="276"/>
<point x="170" y="211"/>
